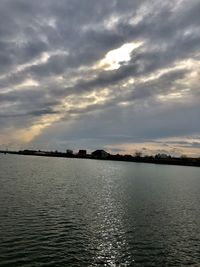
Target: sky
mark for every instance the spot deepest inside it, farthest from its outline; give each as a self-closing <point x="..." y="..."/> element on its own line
<point x="119" y="75"/>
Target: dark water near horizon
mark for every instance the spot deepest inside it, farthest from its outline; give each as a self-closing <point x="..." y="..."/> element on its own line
<point x="75" y="212"/>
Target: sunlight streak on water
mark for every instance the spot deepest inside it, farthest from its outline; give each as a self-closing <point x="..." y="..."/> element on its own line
<point x="112" y="245"/>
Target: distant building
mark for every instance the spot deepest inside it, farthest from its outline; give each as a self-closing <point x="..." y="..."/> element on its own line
<point x="100" y="154"/>
<point x="82" y="152"/>
<point x="69" y="152"/>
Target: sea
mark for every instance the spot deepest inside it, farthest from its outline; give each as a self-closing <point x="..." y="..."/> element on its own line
<point x="81" y="212"/>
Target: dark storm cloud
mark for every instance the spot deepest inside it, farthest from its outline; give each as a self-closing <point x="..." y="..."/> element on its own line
<point x="58" y="45"/>
<point x="43" y="111"/>
<point x="110" y="78"/>
<point x="19" y="107"/>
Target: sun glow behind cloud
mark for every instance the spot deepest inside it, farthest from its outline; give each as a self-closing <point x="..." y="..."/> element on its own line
<point x="115" y="58"/>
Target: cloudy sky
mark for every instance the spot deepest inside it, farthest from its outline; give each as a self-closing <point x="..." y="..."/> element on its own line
<point x="123" y="75"/>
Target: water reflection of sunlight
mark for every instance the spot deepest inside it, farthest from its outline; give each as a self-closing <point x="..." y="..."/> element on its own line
<point x="112" y="247"/>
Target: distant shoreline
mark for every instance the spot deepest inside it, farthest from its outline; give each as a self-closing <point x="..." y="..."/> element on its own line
<point x="195" y="162"/>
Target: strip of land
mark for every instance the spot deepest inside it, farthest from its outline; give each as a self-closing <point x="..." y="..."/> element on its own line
<point x="102" y="155"/>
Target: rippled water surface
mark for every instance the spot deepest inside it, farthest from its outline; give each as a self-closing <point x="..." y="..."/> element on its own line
<point x="71" y="212"/>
